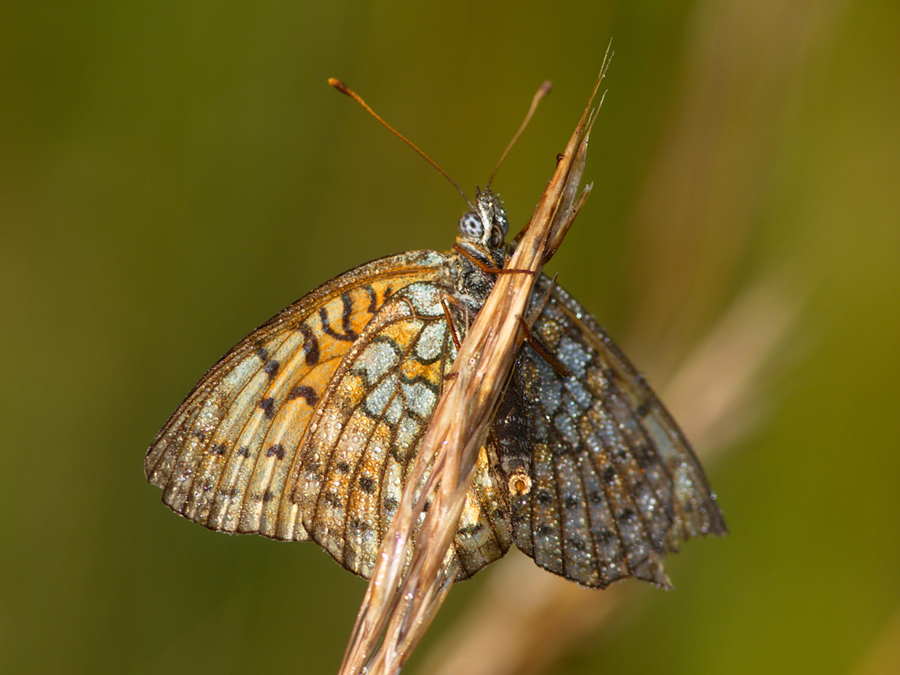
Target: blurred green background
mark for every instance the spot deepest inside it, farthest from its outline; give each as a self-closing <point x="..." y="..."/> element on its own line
<point x="172" y="174"/>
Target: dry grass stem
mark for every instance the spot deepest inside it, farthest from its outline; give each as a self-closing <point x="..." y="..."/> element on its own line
<point x="411" y="579"/>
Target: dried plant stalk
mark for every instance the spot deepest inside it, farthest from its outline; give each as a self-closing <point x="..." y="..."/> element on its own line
<point x="412" y="578"/>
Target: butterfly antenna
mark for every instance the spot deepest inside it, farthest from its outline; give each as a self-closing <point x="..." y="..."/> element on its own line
<point x="344" y="89"/>
<point x="539" y="95"/>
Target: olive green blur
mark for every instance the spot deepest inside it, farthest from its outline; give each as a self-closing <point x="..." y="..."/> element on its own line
<point x="172" y="174"/>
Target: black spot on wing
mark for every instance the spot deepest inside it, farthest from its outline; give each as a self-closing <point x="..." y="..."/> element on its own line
<point x="304" y="391"/>
<point x="267" y="405"/>
<point x="367" y="484"/>
<point x="349" y="335"/>
<point x="310" y="344"/>
<point x="576" y="543"/>
<point x="373" y="299"/>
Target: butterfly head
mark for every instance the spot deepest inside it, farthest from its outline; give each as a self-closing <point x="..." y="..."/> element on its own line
<point x="485" y="228"/>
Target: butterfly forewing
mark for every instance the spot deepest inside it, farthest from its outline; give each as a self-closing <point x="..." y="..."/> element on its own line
<point x="614" y="483"/>
<point x="224" y="457"/>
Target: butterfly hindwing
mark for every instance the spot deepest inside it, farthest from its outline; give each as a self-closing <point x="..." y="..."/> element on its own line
<point x="614" y="482"/>
<point x="368" y="428"/>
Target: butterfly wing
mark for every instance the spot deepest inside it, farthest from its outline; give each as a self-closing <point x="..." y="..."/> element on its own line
<point x="367" y="431"/>
<point x="614" y="482"/>
<point x="224" y="456"/>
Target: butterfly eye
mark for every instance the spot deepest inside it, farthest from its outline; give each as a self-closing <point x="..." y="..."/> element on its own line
<point x="502" y="222"/>
<point x="497" y="236"/>
<point x="470" y="225"/>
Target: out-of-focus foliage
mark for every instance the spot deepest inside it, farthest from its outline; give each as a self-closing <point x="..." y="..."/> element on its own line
<point x="171" y="175"/>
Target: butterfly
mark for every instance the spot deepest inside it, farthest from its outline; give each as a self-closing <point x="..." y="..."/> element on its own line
<point x="307" y="429"/>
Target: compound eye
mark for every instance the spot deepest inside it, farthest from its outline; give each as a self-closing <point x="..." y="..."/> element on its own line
<point x="470" y="225"/>
<point x="497" y="236"/>
<point x="503" y="223"/>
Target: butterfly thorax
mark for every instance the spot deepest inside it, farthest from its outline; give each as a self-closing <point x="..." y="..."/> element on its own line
<point x="480" y="249"/>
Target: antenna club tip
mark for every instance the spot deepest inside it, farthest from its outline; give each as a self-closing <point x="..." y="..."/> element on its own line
<point x="340" y="86"/>
<point x="546" y="87"/>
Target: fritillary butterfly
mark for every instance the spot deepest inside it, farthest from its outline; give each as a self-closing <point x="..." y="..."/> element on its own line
<point x="308" y="428"/>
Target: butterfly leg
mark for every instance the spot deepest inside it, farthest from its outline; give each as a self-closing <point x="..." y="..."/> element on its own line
<point x="444" y="298"/>
<point x="488" y="269"/>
